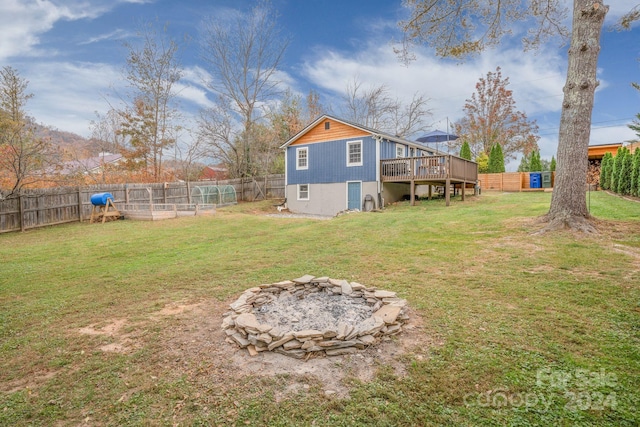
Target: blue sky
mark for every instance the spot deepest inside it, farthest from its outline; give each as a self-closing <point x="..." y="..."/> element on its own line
<point x="71" y="52"/>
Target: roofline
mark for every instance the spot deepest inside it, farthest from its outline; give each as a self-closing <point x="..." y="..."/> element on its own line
<point x="373" y="132"/>
<point x="616" y="144"/>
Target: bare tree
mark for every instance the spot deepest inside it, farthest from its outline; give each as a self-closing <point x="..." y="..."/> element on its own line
<point x="243" y="55"/>
<point x="188" y="157"/>
<point x="106" y="131"/>
<point x="152" y="71"/>
<point x="25" y="159"/>
<point x="462" y="28"/>
<point x="374" y="107"/>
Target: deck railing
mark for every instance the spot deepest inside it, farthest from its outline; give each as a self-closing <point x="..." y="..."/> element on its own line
<point x="428" y="168"/>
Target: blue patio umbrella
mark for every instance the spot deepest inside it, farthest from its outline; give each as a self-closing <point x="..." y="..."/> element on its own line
<point x="437" y="136"/>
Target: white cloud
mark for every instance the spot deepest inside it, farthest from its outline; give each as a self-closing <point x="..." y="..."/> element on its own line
<point x="117" y="34"/>
<point x="536" y="79"/>
<point x="22" y="22"/>
<point x="66" y="95"/>
<point x="611" y="134"/>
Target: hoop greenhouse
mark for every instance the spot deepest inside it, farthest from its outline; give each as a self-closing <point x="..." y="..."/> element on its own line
<point x="214" y="194"/>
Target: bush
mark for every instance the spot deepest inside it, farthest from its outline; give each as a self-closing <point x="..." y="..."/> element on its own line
<point x="465" y="151"/>
<point x="605" y="171"/>
<point x="624" y="175"/>
<point x="635" y="173"/>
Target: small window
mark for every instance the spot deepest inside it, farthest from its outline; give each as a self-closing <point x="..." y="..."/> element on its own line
<point x="303" y="191"/>
<point x="400" y="150"/>
<point x="327" y="125"/>
<point x="354" y="153"/>
<point x="302" y="158"/>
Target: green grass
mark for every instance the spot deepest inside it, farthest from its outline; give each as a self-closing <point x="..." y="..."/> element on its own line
<point x="500" y="305"/>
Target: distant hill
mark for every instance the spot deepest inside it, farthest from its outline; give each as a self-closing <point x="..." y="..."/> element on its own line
<point x="69" y="142"/>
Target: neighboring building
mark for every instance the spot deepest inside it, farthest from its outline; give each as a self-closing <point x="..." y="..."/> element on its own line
<point x="597" y="152"/>
<point x="214" y="172"/>
<point x="333" y="165"/>
<point x="91" y="165"/>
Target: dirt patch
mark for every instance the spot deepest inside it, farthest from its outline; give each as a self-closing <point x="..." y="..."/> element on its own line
<point x="111" y="328"/>
<point x="174" y="309"/>
<point x="196" y="339"/>
<point x="28" y="382"/>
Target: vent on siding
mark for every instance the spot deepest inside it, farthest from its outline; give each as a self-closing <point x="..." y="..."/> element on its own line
<point x="327" y="125"/>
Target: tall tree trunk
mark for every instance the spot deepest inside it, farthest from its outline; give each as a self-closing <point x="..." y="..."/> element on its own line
<point x="568" y="203"/>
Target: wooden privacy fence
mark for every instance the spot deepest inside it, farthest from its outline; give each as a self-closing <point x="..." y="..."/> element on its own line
<point x="51" y="206"/>
<point x="509" y="181"/>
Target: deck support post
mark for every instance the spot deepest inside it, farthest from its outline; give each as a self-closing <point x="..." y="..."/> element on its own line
<point x="447" y="191"/>
<point x="464" y="187"/>
<point x="430" y="191"/>
<point x="413" y="193"/>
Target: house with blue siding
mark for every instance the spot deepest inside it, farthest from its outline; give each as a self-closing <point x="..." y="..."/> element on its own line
<point x="334" y="165"/>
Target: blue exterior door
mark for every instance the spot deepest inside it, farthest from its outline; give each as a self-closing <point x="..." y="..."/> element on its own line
<point x="354" y="195"/>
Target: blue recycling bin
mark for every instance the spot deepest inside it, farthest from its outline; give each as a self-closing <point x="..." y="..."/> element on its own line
<point x="535" y="180"/>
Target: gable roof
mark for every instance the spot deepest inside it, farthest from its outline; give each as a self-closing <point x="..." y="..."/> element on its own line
<point x="373" y="132"/>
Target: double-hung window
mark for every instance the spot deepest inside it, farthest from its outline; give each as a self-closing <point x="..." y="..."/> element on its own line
<point x="302" y="158"/>
<point x="303" y="191"/>
<point x="354" y="153"/>
<point x="400" y="150"/>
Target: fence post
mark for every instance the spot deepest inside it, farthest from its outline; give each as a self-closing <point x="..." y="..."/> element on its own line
<point x="21" y="213"/>
<point x="79" y="204"/>
<point x="188" y="193"/>
<point x="164" y="193"/>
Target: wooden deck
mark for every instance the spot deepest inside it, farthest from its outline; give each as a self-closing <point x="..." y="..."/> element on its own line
<point x="444" y="170"/>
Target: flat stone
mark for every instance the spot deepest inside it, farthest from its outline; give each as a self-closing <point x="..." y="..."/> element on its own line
<point x="307" y="333"/>
<point x="400" y="302"/>
<point x="384" y="294"/>
<point x="339" y="351"/>
<point x="265" y="338"/>
<point x="329" y="333"/>
<point x="252" y="350"/>
<point x="370" y="326"/>
<point x="247" y="321"/>
<point x="336" y="344"/>
<point x="240" y="340"/>
<point x="228" y="323"/>
<point x="353" y="333"/>
<point x="344" y="329"/>
<point x="272" y="289"/>
<point x="335" y="282"/>
<point x="388" y="313"/>
<point x="393" y="329"/>
<point x="290" y="345"/>
<point x="304" y="279"/>
<point x="298" y="354"/>
<point x="263" y="328"/>
<point x="357" y="286"/>
<point x="346" y="288"/>
<point x="278" y="343"/>
<point x="276" y="333"/>
<point x="367" y="339"/>
<point x="323" y="279"/>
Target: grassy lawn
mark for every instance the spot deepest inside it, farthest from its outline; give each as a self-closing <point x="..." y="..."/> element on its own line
<point x="524" y="329"/>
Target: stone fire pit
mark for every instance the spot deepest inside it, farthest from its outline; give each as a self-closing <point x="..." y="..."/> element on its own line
<point x="313" y="316"/>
